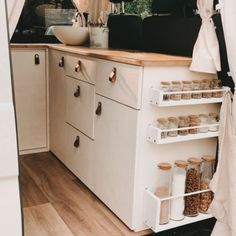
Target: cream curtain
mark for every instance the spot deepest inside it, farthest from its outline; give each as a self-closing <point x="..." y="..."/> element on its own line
<point x="14" y="8"/>
<point x="93" y="6"/>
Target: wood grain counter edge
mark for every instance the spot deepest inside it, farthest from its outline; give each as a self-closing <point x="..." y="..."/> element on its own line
<point x="127" y="57"/>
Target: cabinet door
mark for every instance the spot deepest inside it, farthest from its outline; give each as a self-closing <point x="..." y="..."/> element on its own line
<point x="115" y="150"/>
<point x="57" y="104"/>
<point x="29" y="73"/>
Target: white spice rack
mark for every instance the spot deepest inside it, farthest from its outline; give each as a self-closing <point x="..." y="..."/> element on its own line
<point x="152" y="208"/>
<point x="156" y="97"/>
<point x="154" y="134"/>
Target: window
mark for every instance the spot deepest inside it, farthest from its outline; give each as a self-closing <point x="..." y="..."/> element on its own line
<point x="140" y="7"/>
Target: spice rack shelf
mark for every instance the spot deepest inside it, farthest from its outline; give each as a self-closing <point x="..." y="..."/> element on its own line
<point x="157" y="95"/>
<point x="154" y="134"/>
<point x="152" y="206"/>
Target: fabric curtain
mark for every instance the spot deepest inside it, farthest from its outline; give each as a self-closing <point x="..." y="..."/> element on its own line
<point x="206" y="54"/>
<point x="14" y="8"/>
<point x="94" y="7"/>
<point x="224" y="182"/>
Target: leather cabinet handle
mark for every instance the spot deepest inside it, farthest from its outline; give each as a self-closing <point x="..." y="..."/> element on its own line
<point x="113" y="75"/>
<point x="77" y="142"/>
<point x="99" y="109"/>
<point x="77" y="92"/>
<point x="61" y="62"/>
<point x="78" y="67"/>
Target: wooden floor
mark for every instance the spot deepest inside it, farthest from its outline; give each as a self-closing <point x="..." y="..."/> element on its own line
<point x="55" y="203"/>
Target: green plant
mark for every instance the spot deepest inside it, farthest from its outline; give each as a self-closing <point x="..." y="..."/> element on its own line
<point x="139" y="7"/>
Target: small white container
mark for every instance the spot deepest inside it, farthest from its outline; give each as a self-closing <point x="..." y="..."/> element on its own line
<point x="98" y="37"/>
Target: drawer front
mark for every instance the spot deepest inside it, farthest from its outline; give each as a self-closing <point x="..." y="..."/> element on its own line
<point x="79" y="155"/>
<point x="120" y="82"/>
<point x="80" y="105"/>
<point x="81" y="68"/>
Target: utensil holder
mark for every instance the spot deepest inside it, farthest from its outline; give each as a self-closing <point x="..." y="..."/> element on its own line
<point x="98" y="37"/>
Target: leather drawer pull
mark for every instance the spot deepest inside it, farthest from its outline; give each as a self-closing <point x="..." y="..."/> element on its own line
<point x="61" y="62"/>
<point x="78" y="67"/>
<point x="77" y="142"/>
<point x="113" y="75"/>
<point x="99" y="109"/>
<point x="36" y="59"/>
<point x="77" y="92"/>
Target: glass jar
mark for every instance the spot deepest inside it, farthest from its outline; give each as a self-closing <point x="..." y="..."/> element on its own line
<point x="176" y="87"/>
<point x="187" y="86"/>
<point x="216" y="84"/>
<point x="192" y="185"/>
<point x="163" y="190"/>
<point x="206" y="85"/>
<point x="212" y="120"/>
<point x="203" y="121"/>
<point x="178" y="188"/>
<point x="193" y="122"/>
<point x="173" y="124"/>
<point x="196" y="86"/>
<point x="165" y="87"/>
<point x="206" y="176"/>
<point x="163" y="124"/>
<point x="183" y="123"/>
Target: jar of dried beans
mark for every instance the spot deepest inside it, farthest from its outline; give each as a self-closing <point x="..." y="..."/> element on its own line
<point x="163" y="190"/>
<point x="187" y="87"/>
<point x="176" y="87"/>
<point x="193" y="122"/>
<point x="163" y="124"/>
<point x="165" y="87"/>
<point x="183" y="123"/>
<point x="206" y="85"/>
<point x="206" y="176"/>
<point x="192" y="185"/>
<point x="196" y="87"/>
<point x="173" y="124"/>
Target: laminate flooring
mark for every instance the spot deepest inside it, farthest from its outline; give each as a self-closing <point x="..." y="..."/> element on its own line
<point x="56" y="203"/>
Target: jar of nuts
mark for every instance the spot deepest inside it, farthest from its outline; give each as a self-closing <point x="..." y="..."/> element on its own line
<point x="192" y="185"/>
<point x="206" y="176"/>
<point x="216" y="84"/>
<point x="163" y="190"/>
<point x="193" y="122"/>
<point x="183" y="123"/>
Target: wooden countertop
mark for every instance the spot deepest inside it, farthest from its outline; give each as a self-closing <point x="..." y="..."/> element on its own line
<point x="129" y="57"/>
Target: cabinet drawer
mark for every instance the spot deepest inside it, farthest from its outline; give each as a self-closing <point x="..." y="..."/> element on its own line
<point x="80" y="105"/>
<point x="81" y="68"/>
<point x="120" y="82"/>
<point x="79" y="155"/>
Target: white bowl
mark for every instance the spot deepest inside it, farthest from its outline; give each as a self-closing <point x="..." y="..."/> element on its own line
<point x="71" y="35"/>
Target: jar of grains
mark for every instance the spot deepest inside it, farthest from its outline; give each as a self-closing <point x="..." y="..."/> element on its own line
<point x="206" y="176"/>
<point x="193" y="122"/>
<point x="213" y="120"/>
<point x="204" y="122"/>
<point x="176" y="87"/>
<point x="165" y="87"/>
<point x="163" y="124"/>
<point x="206" y="85"/>
<point x="216" y="84"/>
<point x="192" y="185"/>
<point x="178" y="188"/>
<point x="187" y="86"/>
<point x="173" y="124"/>
<point x="163" y="190"/>
<point x="183" y="123"/>
<point x="196" y="86"/>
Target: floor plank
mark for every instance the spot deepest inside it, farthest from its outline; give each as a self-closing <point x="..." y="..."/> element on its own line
<point x="83" y="213"/>
<point x="31" y="194"/>
<point x="43" y="220"/>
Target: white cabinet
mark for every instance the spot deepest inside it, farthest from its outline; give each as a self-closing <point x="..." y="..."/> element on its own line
<point x="115" y="151"/>
<point x="30" y="87"/>
<point x="57" y="104"/>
